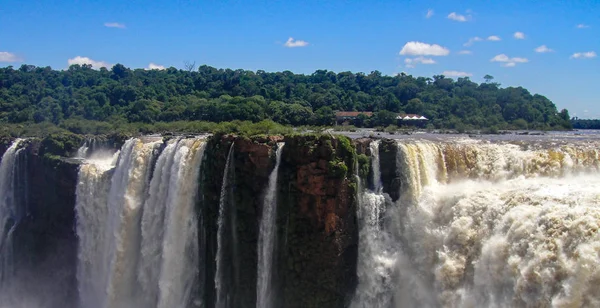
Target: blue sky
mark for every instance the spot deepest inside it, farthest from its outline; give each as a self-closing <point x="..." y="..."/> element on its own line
<point x="334" y="35"/>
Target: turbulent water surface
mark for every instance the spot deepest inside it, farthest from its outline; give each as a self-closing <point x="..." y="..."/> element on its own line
<point x="482" y="224"/>
<point x="477" y="223"/>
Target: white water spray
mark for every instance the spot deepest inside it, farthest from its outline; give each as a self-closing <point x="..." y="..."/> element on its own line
<point x="377" y="255"/>
<point x="493" y="225"/>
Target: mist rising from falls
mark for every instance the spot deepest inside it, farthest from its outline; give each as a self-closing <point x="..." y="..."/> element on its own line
<point x="136" y="225"/>
<point x="13" y="205"/>
<point x="267" y="238"/>
<point x="485" y="225"/>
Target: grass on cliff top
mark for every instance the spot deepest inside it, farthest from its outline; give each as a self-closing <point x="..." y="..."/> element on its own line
<point x="89" y="127"/>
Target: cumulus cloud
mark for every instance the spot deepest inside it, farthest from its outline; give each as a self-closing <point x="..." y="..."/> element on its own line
<point x="114" y="25"/>
<point x="153" y="66"/>
<point x="291" y="43"/>
<point x="582" y="26"/>
<point x="543" y="49"/>
<point x="472" y="40"/>
<point x="584" y="55"/>
<point x="519" y="35"/>
<point x="429" y="13"/>
<point x="411" y="62"/>
<point x="85" y="60"/>
<point x="465" y="52"/>
<point x="6" y="56"/>
<point x="423" y="49"/>
<point x="457" y="17"/>
<point x="507" y="61"/>
<point x="493" y="38"/>
<point x="456" y="74"/>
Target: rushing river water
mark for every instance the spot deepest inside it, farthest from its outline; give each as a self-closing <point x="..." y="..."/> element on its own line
<point x="476" y="221"/>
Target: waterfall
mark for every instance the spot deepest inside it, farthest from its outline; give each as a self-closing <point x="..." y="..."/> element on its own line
<point x="226" y="215"/>
<point x="491" y="224"/>
<point x="267" y="238"/>
<point x="99" y="148"/>
<point x="375" y="166"/>
<point x="82" y="152"/>
<point x="376" y="255"/>
<point x="12" y="206"/>
<point x="136" y="225"/>
<point x="180" y="260"/>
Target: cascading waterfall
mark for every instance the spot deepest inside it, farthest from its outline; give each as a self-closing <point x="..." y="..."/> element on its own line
<point x="13" y="205"/>
<point x="137" y="227"/>
<point x="94" y="146"/>
<point x="267" y="238"/>
<point x="482" y="224"/>
<point x="225" y="223"/>
<point x="377" y="255"/>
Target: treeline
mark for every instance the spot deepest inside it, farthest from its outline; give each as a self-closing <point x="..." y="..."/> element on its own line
<point x="32" y="94"/>
<point x="585" y="124"/>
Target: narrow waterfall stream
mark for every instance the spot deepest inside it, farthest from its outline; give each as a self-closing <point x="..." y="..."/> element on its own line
<point x="225" y="251"/>
<point x="267" y="238"/>
<point x="12" y="205"/>
<point x="377" y="254"/>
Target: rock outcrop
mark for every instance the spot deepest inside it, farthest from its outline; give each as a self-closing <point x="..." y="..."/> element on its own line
<point x="316" y="223"/>
<point x="317" y="234"/>
<point x="45" y="241"/>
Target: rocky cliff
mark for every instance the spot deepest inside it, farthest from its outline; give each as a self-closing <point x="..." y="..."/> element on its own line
<point x="45" y="243"/>
<point x="317" y="235"/>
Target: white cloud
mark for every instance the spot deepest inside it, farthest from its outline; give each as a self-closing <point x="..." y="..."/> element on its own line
<point x="429" y="13"/>
<point x="584" y="55"/>
<point x="519" y="35"/>
<point x="114" y="25"/>
<point x="153" y="66"/>
<point x="291" y="43"/>
<point x="473" y="40"/>
<point x="457" y="17"/>
<point x="582" y="26"/>
<point x="423" y="49"/>
<point x="6" y="56"/>
<point x="507" y="61"/>
<point x="465" y="52"/>
<point x="85" y="60"/>
<point x="493" y="38"/>
<point x="456" y="74"/>
<point x="543" y="49"/>
<point x="411" y="62"/>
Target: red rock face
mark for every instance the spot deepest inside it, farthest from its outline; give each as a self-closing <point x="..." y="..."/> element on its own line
<point x="315" y="263"/>
<point x="321" y="225"/>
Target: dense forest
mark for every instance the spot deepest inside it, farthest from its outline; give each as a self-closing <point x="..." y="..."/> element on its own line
<point x="81" y="94"/>
<point x="585" y="124"/>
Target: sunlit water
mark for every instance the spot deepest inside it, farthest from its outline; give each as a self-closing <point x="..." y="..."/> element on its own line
<point x="482" y="224"/>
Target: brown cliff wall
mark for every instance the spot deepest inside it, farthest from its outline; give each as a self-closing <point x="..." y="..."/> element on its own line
<point x="45" y="241"/>
<point x="317" y="229"/>
<point x="316" y="222"/>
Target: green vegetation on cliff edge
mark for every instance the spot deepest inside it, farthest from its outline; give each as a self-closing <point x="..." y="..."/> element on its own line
<point x="84" y="100"/>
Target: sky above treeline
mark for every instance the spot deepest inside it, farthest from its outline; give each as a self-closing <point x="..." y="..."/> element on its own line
<point x="549" y="47"/>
